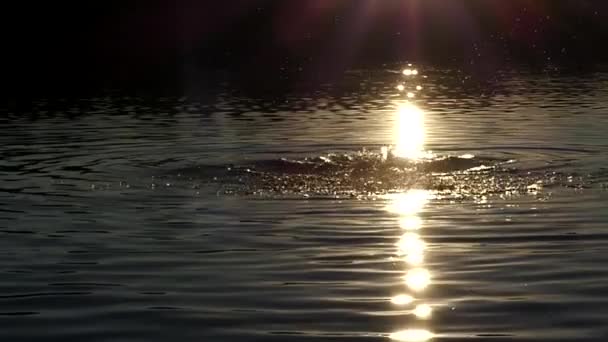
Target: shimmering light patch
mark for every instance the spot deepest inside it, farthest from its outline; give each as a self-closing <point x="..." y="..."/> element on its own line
<point x="410" y="95"/>
<point x="409" y="132"/>
<point x="411" y="243"/>
<point x="467" y="156"/>
<point x="408" y="203"/>
<point x="423" y="311"/>
<point x="535" y="188"/>
<point x="384" y="152"/>
<point x="417" y="279"/>
<point x="414" y="259"/>
<point x="410" y="222"/>
<point x="400" y="87"/>
<point x="402" y="299"/>
<point x="418" y="87"/>
<point x="412" y="335"/>
<point x="410" y="72"/>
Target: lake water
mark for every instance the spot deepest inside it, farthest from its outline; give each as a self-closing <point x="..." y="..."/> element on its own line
<point x="448" y="209"/>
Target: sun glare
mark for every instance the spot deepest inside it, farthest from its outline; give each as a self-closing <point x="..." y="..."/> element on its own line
<point x="417" y="279"/>
<point x="410" y="222"/>
<point x="410" y="243"/>
<point x="412" y="335"/>
<point x="409" y="203"/>
<point x="410" y="72"/>
<point x="423" y="311"/>
<point x="409" y="132"/>
<point x="402" y="299"/>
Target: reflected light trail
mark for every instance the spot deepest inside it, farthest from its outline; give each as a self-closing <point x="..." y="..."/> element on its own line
<point x="412" y="335"/>
<point x="409" y="132"/>
<point x="408" y="143"/>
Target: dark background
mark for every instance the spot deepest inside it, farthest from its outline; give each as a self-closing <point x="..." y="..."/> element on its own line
<point x="87" y="46"/>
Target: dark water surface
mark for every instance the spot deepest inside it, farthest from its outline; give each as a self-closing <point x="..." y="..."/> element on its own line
<point x="475" y="211"/>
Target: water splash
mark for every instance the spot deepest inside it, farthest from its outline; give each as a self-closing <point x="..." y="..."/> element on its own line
<point x="372" y="173"/>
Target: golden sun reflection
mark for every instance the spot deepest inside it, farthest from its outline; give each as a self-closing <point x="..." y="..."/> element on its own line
<point x="411" y="246"/>
<point x="410" y="222"/>
<point x="412" y="335"/>
<point x="408" y="143"/>
<point x="409" y="131"/>
<point x="408" y="203"/>
<point x="417" y="279"/>
<point x="423" y="311"/>
<point x="402" y="299"/>
<point x="414" y="259"/>
<point x="410" y="243"/>
<point x="410" y="72"/>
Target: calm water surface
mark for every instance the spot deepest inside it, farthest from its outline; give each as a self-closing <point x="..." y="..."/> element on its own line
<point x="465" y="210"/>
